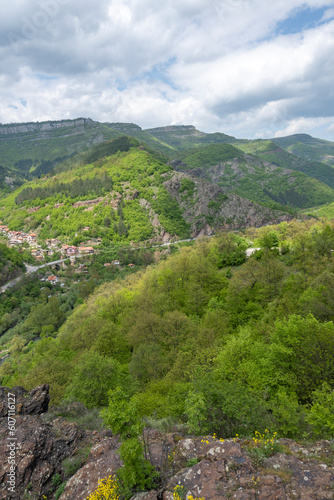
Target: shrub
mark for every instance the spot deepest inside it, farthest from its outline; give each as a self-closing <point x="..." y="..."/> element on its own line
<point x="108" y="489"/>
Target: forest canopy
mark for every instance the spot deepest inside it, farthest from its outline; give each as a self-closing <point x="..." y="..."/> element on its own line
<point x="213" y="340"/>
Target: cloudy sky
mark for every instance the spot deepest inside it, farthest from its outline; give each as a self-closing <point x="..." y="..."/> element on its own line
<point x="248" y="68"/>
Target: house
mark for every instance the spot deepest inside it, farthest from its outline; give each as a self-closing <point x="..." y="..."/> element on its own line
<point x="107" y="264"/>
<point x="86" y="250"/>
<point x="131" y="265"/>
<point x="87" y="228"/>
<point x="71" y="250"/>
<point x="53" y="279"/>
<point x="116" y="262"/>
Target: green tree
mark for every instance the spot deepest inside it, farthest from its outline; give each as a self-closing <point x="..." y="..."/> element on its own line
<point x="93" y="377"/>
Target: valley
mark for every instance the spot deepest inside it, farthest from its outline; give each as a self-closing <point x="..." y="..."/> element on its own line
<point x="170" y="290"/>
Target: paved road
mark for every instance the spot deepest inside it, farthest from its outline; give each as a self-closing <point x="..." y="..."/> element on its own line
<point x="33" y="269"/>
<point x="30" y="269"/>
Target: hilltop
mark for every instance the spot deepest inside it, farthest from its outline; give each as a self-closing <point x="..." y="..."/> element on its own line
<point x="308" y="147"/>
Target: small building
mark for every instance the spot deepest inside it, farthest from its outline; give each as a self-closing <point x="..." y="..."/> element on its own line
<point x="71" y="250"/>
<point x="86" y="250"/>
<point x="53" y="279"/>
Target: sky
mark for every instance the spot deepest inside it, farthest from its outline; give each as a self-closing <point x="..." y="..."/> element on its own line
<point x="248" y="68"/>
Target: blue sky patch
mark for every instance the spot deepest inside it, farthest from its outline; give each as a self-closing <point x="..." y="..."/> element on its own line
<point x="42" y="76"/>
<point x="300" y="20"/>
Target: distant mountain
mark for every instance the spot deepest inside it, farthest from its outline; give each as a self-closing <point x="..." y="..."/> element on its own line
<point x="182" y="137"/>
<point x="269" y="151"/>
<point x="307" y="147"/>
<point x="33" y="149"/>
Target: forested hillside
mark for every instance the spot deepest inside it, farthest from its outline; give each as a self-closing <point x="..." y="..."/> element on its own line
<point x="250" y="177"/>
<point x="207" y="338"/>
<point x="270" y="151"/>
<point x="124" y="191"/>
<point x="11" y="264"/>
<point x="307" y="147"/>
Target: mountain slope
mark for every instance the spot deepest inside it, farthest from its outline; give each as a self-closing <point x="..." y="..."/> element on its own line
<point x="125" y="193"/>
<point x="11" y="264"/>
<point x="34" y="148"/>
<point x="270" y="152"/>
<point x="250" y="177"/>
<point x="308" y="147"/>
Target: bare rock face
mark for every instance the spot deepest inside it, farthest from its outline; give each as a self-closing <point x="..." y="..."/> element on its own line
<point x="229" y="211"/>
<point x="103" y="461"/>
<point x="206" y="468"/>
<point x="224" y="470"/>
<point x="34" y="402"/>
<point x="31" y="449"/>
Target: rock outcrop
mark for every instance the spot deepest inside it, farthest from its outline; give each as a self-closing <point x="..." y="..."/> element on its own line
<point x="34" y="402"/>
<point x="223" y="210"/>
<point x="204" y="468"/>
<point x="211" y="469"/>
<point x="35" y="449"/>
<point x="19" y="128"/>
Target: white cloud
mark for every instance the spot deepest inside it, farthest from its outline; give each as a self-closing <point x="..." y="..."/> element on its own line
<point x="218" y="64"/>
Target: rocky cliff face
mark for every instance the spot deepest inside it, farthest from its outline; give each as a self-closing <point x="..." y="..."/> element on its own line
<point x="203" y="468"/>
<point x="43" y="126"/>
<point x="209" y="208"/>
<point x="34" y="449"/>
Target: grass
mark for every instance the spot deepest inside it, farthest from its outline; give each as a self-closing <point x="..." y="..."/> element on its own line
<point x="77" y="412"/>
<point x="72" y="464"/>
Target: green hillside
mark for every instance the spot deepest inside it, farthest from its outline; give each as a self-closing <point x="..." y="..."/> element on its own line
<point x="326" y="211"/>
<point x="11" y="264"/>
<point x="307" y="147"/>
<point x="120" y="175"/>
<point x="207" y="340"/>
<point x="34" y="148"/>
<point x="250" y="177"/>
<point x="207" y="156"/>
<point x="9" y="180"/>
<point x="270" y="152"/>
<point x="122" y="191"/>
<point x="186" y="136"/>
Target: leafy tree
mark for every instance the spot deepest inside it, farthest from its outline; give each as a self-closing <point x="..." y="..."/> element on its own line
<point x="93" y="377"/>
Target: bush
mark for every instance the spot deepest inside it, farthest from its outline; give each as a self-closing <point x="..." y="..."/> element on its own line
<point x="321" y="415"/>
<point x="60" y="491"/>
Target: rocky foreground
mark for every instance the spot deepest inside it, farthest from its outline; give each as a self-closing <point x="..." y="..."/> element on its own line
<point x="48" y="454"/>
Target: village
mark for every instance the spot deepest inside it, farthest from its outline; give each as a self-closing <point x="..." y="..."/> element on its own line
<point x="51" y="247"/>
<point x="54" y="247"/>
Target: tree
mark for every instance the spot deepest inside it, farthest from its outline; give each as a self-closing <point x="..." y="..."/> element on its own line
<point x="93" y="377"/>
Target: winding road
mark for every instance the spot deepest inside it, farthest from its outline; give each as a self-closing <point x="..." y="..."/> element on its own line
<point x="29" y="270"/>
<point x="32" y="269"/>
